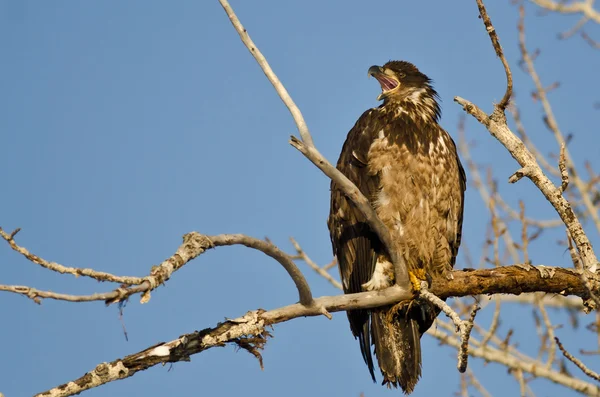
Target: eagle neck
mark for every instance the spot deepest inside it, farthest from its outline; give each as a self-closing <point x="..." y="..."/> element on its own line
<point x="419" y="104"/>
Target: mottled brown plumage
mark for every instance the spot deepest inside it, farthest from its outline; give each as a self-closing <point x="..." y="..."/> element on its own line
<point x="407" y="166"/>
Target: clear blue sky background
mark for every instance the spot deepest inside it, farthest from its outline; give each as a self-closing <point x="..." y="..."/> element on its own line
<point x="127" y="124"/>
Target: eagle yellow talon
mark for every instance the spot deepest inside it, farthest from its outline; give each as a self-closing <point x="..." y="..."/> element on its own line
<point x="416" y="276"/>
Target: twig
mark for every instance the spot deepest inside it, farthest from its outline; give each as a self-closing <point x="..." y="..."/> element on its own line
<point x="499" y="52"/>
<point x="494" y="324"/>
<point x="577" y="362"/>
<point x="476" y="384"/>
<point x="37" y="295"/>
<point x="56" y="267"/>
<point x="549" y="332"/>
<point x="595" y="44"/>
<point x="264" y="65"/>
<point x="564" y="175"/>
<point x="363" y="204"/>
<point x="582" y="21"/>
<point x="524" y="234"/>
<point x="330" y="264"/>
<point x="518" y="374"/>
<point x="320" y="270"/>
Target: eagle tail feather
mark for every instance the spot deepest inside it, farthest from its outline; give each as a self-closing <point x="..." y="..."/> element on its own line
<point x="397" y="343"/>
<point x="365" y="347"/>
<point x="360" y="326"/>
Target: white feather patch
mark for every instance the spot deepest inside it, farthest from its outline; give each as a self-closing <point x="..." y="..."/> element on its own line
<point x="380" y="278"/>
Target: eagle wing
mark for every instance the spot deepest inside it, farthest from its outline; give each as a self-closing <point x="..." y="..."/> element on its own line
<point x="456" y="235"/>
<point x="354" y="244"/>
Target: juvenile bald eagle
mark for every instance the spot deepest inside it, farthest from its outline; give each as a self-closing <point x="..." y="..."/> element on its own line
<point x="407" y="166"/>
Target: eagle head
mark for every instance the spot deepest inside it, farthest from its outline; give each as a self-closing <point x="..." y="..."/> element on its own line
<point x="402" y="84"/>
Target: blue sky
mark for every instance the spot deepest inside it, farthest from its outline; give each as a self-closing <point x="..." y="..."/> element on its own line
<point x="127" y="124"/>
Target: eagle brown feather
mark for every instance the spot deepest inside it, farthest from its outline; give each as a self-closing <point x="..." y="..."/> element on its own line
<point x="407" y="166"/>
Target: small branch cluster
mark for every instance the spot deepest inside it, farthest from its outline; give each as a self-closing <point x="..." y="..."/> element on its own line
<point x="497" y="126"/>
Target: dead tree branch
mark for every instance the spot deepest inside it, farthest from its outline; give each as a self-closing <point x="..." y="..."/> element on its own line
<point x="308" y="149"/>
<point x="194" y="244"/>
<point x="57" y="267"/>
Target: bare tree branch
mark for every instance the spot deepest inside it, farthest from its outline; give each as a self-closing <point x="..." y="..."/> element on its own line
<point x="320" y="271"/>
<point x="264" y="65"/>
<point x="498" y="48"/>
<point x="194" y="244"/>
<point x="37" y="295"/>
<point x="307" y="148"/>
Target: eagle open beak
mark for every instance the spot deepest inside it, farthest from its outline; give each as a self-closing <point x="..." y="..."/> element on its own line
<point x="388" y="83"/>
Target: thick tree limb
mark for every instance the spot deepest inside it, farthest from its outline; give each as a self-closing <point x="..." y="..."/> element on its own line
<point x="515" y="279"/>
